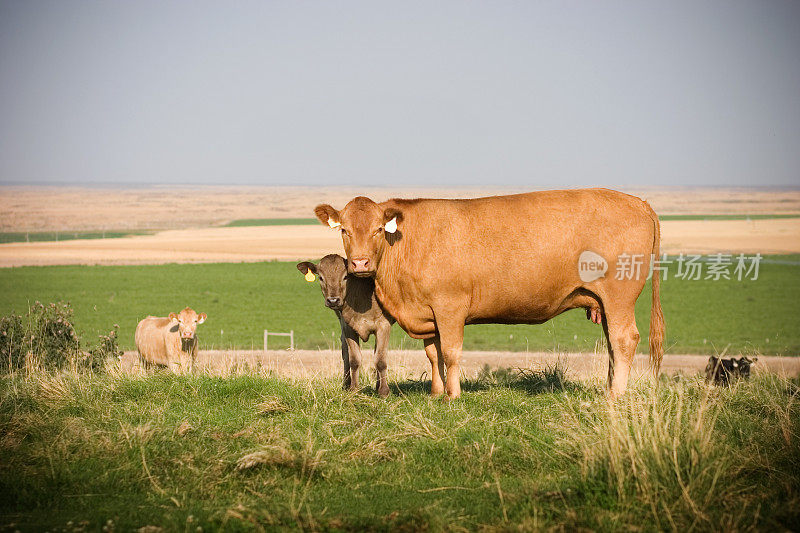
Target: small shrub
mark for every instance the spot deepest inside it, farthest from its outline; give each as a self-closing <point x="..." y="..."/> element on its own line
<point x="107" y="348"/>
<point x="45" y="335"/>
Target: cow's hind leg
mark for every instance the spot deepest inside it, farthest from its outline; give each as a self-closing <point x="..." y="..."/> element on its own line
<point x="433" y="351"/>
<point x="623" y="338"/>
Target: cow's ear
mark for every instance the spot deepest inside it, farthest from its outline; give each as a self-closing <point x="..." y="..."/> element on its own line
<point x="391" y="217"/>
<point x="328" y="215"/>
<point x="173" y="316"/>
<point x="201" y="318"/>
<point x="305" y="266"/>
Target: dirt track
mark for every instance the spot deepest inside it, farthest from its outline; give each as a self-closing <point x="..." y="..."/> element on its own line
<point x="413" y="364"/>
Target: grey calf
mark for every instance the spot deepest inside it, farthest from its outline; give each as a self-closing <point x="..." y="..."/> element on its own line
<point x="360" y="315"/>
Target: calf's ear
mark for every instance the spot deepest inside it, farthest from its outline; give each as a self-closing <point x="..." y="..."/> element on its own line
<point x="305" y="266"/>
<point x="201" y="318"/>
<point x="173" y="316"/>
<point x="391" y="217"/>
<point x="328" y="215"/>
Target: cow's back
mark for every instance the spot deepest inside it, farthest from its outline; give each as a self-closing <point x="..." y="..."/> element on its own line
<point x="505" y="258"/>
<point x="151" y="340"/>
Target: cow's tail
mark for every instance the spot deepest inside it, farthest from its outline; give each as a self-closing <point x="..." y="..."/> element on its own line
<point x="657" y="327"/>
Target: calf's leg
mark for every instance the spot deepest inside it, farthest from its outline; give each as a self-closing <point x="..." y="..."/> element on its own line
<point x="346" y="363"/>
<point x="354" y="359"/>
<point x="381" y="344"/>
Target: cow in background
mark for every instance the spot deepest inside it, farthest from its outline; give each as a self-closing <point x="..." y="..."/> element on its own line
<point x="441" y="264"/>
<point x="721" y="371"/>
<point x="360" y="315"/>
<point x="170" y="341"/>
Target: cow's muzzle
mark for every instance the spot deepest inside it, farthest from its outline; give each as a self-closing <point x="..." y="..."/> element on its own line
<point x="333" y="303"/>
<point x="362" y="267"/>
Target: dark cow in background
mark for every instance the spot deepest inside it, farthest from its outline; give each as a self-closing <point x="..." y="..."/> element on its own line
<point x="721" y="371"/>
<point x="441" y="264"/>
<point x="360" y="315"/>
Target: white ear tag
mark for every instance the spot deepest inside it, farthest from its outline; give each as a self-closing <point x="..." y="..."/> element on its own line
<point x="391" y="226"/>
<point x="333" y="224"/>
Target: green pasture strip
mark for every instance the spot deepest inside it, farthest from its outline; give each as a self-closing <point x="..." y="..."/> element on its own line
<point x="517" y="452"/>
<point x="43" y="236"/>
<point x="244" y="299"/>
<point x="272" y="222"/>
<point x="729" y="217"/>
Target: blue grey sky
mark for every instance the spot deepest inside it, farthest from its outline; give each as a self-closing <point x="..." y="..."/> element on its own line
<point x="498" y="93"/>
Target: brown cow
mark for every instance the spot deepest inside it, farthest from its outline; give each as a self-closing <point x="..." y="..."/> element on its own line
<point x="524" y="258"/>
<point x="170" y="341"/>
<point x="360" y="315"/>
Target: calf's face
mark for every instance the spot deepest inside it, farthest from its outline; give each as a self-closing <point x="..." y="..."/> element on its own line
<point x="364" y="225"/>
<point x="332" y="273"/>
<point x="188" y="320"/>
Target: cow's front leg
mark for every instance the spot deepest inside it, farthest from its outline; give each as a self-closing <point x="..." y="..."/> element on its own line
<point x="433" y="351"/>
<point x="451" y="340"/>
<point x="184" y="362"/>
<point x="381" y="346"/>
<point x="345" y="360"/>
<point x="354" y="359"/>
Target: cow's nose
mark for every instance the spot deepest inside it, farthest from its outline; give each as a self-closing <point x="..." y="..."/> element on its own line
<point x="360" y="265"/>
<point x="333" y="302"/>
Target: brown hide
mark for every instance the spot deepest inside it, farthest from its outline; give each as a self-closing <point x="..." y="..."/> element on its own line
<point x="504" y="259"/>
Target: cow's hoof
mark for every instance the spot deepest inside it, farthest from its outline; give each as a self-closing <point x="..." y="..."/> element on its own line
<point x="383" y="392"/>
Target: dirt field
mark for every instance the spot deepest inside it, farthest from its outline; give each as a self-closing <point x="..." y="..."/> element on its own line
<point x="81" y="209"/>
<point x="303" y="242"/>
<point x="408" y="364"/>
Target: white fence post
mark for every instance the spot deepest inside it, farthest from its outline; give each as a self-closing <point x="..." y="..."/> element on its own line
<point x="290" y="335"/>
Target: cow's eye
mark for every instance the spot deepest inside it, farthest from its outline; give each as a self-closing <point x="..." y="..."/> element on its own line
<point x="379" y="231"/>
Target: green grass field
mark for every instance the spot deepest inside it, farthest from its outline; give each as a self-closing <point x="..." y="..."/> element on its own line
<point x="41" y="236"/>
<point x="243" y="299"/>
<point x="81" y="452"/>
